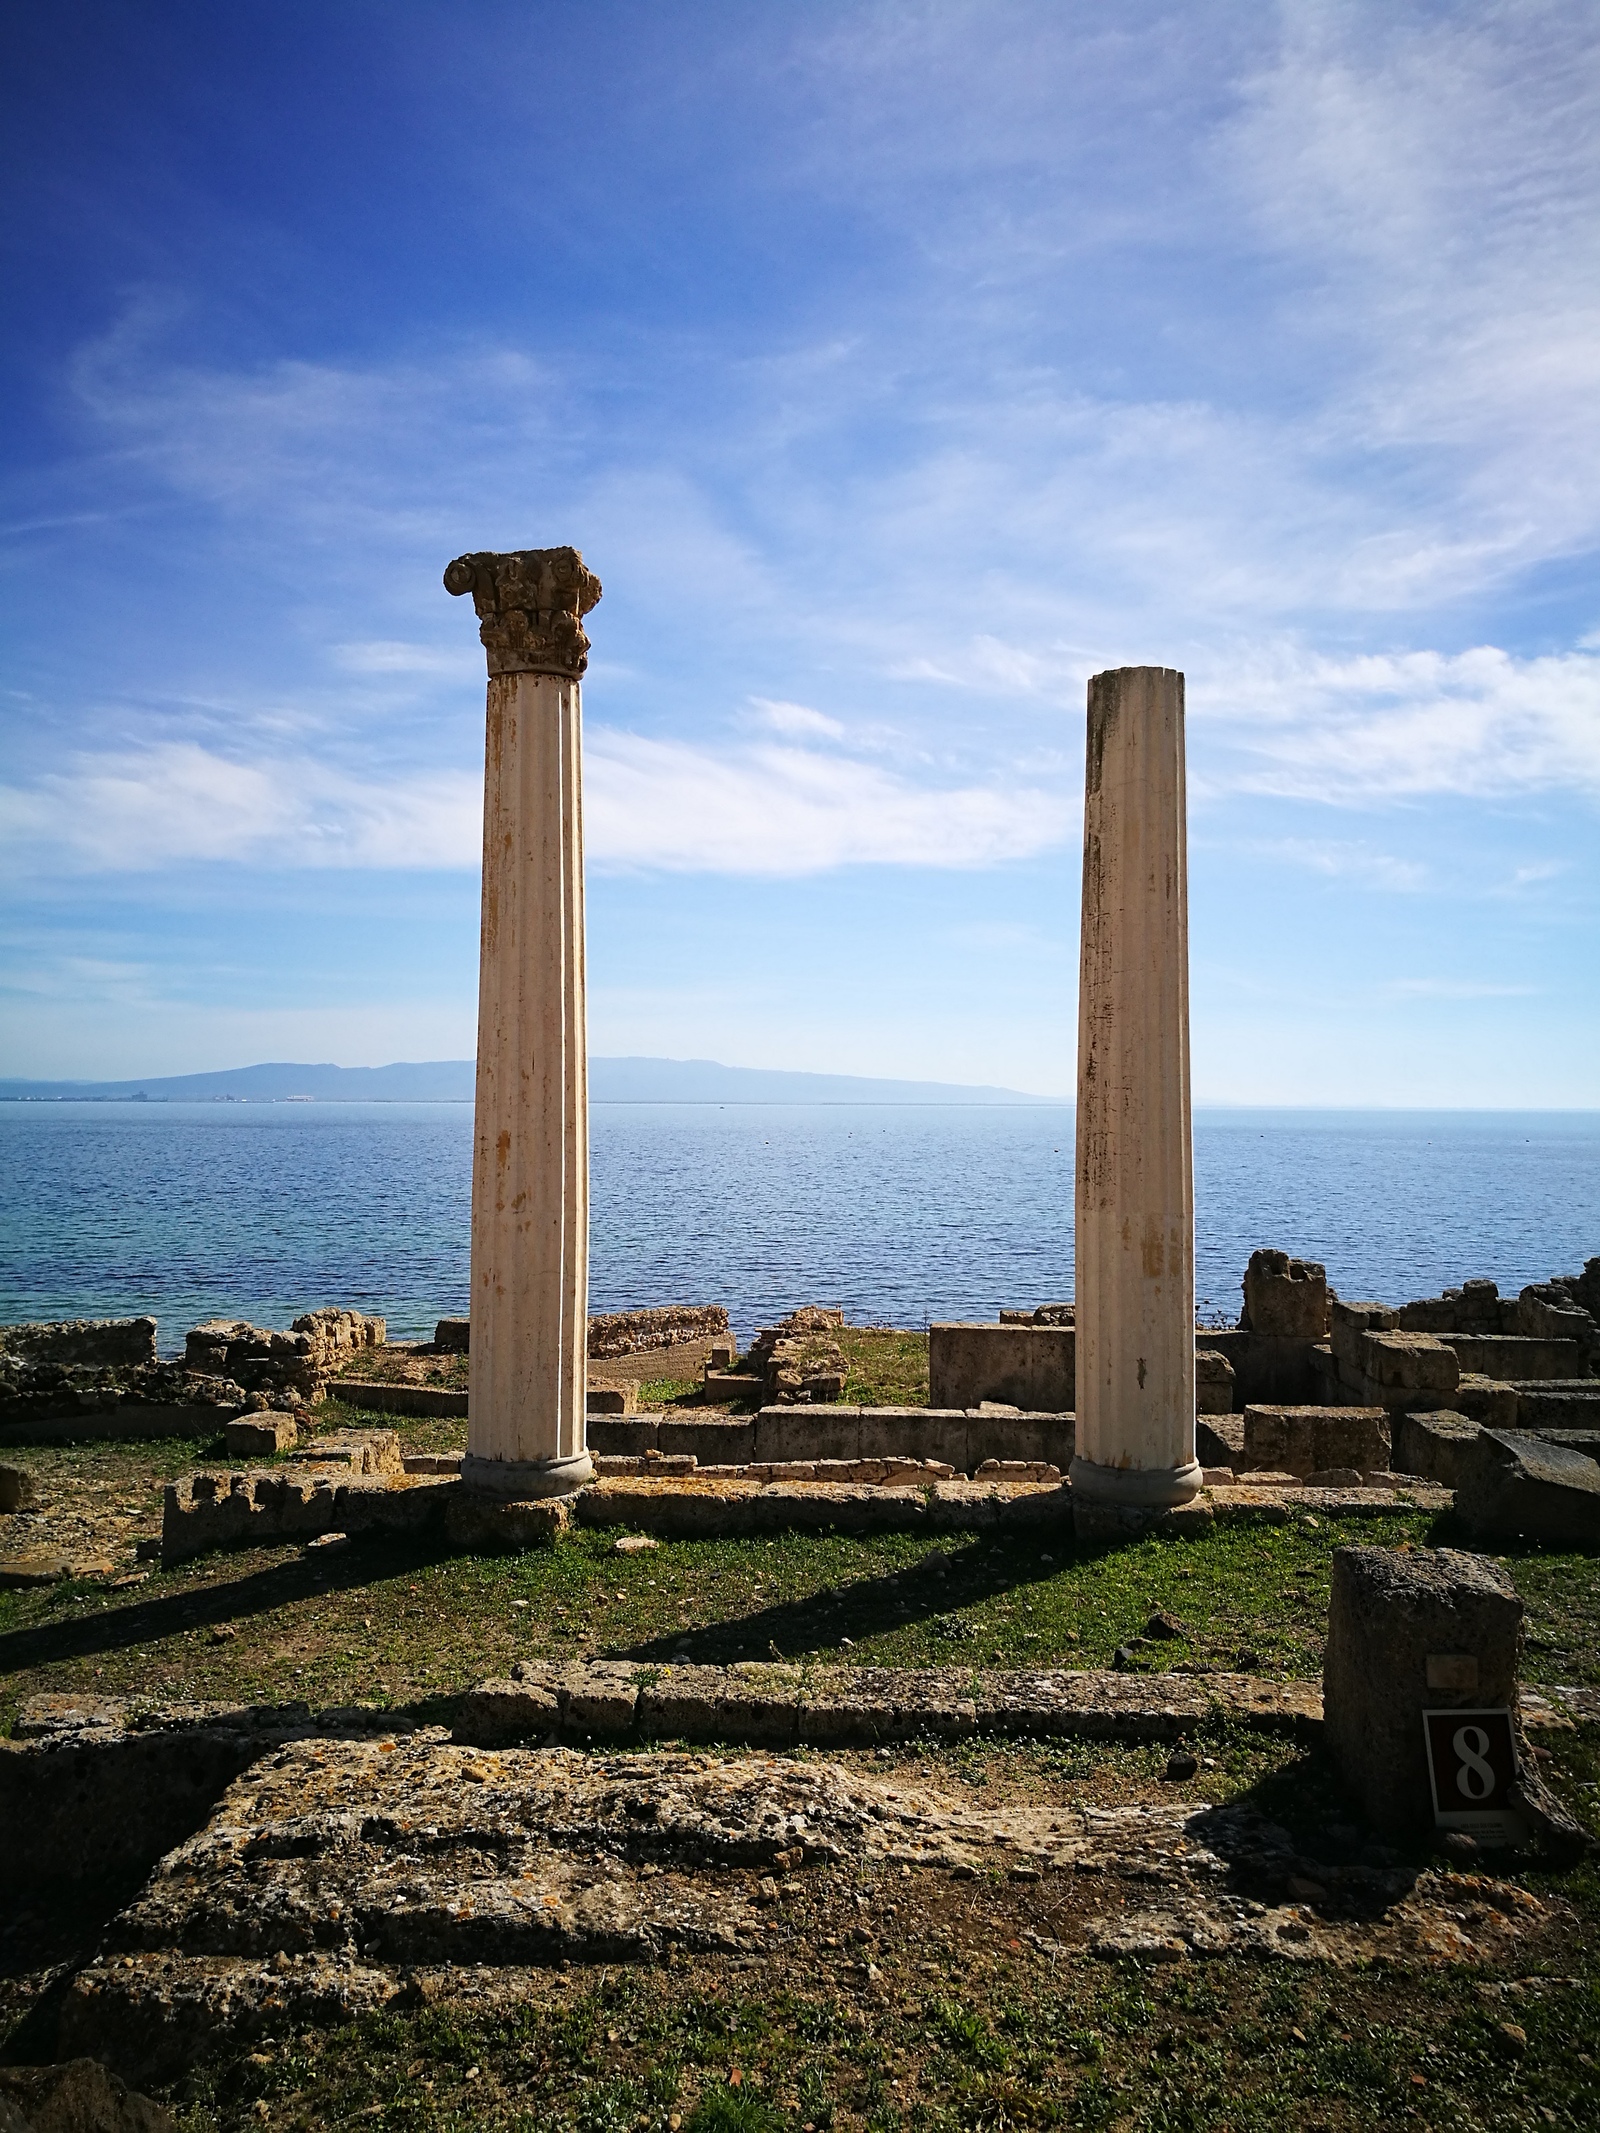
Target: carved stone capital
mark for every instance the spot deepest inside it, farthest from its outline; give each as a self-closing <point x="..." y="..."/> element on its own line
<point x="531" y="604"/>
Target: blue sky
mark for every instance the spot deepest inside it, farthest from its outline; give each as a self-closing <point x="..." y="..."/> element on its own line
<point x="896" y="367"/>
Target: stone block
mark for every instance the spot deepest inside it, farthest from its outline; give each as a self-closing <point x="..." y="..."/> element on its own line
<point x="711" y="1443"/>
<point x="1213" y="1382"/>
<point x="1586" y="1441"/>
<point x="361" y="1451"/>
<point x="1285" y="1297"/>
<point x="1030" y="1367"/>
<point x="77" y="2096"/>
<point x="731" y="1385"/>
<point x="1572" y="1404"/>
<point x="1520" y="1486"/>
<point x="935" y="1433"/>
<point x="493" y="1525"/>
<point x="1488" y="1400"/>
<point x="453" y="1336"/>
<point x="259" y="1436"/>
<point x="600" y="1700"/>
<point x="781" y="1433"/>
<point x="1437" y="1446"/>
<point x="18" y="1491"/>
<point x="1266" y="1366"/>
<point x="499" y="1714"/>
<point x="381" y="1398"/>
<point x="1219" y="1441"/>
<point x="1308" y="1440"/>
<point x="1407" y="1363"/>
<point x="1516" y="1357"/>
<point x="683" y="1703"/>
<point x="612" y="1399"/>
<point x="622" y="1436"/>
<point x="1390" y="1613"/>
<point x="1349" y="1321"/>
<point x="433" y="1462"/>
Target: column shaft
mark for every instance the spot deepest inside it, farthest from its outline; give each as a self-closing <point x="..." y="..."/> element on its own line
<point x="530" y="1170"/>
<point x="1135" y="1173"/>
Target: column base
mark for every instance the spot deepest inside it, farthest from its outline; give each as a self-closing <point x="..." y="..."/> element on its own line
<point x="526" y="1480"/>
<point x="1136" y="1488"/>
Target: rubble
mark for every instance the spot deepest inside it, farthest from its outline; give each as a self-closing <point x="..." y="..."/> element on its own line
<point x="291" y="1368"/>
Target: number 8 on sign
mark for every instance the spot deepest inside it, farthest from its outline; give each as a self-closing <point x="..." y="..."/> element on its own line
<point x="1472" y="1767"/>
<point x="1475" y="1777"/>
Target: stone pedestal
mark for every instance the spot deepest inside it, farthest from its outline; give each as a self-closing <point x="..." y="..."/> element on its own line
<point x="1135" y="1179"/>
<point x="1433" y="1629"/>
<point x="530" y="1168"/>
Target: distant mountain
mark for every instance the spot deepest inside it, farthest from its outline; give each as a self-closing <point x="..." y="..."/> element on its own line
<point x="615" y="1081"/>
<point x="704" y="1081"/>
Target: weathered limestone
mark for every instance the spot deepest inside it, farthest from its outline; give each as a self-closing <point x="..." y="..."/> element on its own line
<point x="614" y="1333"/>
<point x="1213" y="1382"/>
<point x="291" y="1367"/>
<point x="530" y="1175"/>
<point x="18" y="1489"/>
<point x="1135" y="1179"/>
<point x="1426" y="1630"/>
<point x="1439" y="1447"/>
<point x="1027" y="1365"/>
<point x="258" y="1436"/>
<point x="1284" y="1296"/>
<point x="1516" y="1485"/>
<point x="1311" y="1440"/>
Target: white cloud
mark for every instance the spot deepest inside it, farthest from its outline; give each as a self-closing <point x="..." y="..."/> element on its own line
<point x="1347" y="862"/>
<point x="1399" y="726"/>
<point x="769" y="810"/>
<point x="1458" y="989"/>
<point x="180" y="803"/>
<point x="796" y="721"/>
<point x="392" y="656"/>
<point x="774" y="810"/>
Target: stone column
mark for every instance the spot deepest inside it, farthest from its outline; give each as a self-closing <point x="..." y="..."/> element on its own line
<point x="530" y="1159"/>
<point x="1135" y="1172"/>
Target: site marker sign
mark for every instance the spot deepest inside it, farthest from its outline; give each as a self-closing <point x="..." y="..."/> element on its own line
<point x="1472" y="1767"/>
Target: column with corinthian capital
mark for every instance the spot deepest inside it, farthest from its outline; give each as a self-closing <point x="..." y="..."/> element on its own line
<point x="530" y="1160"/>
<point x="1134" y="1226"/>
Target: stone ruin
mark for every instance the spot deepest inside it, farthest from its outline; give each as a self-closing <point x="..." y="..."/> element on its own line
<point x="289" y="1370"/>
<point x="614" y="1333"/>
<point x="66" y="1376"/>
<point x="104" y="1376"/>
<point x="799" y="1360"/>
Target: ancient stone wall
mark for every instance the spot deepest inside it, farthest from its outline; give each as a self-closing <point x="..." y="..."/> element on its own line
<point x="635" y="1332"/>
<point x="84" y="1343"/>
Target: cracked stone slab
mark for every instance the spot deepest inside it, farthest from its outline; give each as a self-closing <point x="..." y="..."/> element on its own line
<point x="341" y="1875"/>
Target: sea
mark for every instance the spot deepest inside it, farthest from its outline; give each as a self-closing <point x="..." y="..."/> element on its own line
<point x="901" y="1213"/>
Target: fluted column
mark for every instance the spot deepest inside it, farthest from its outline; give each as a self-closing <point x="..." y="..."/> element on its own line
<point x="1135" y="1169"/>
<point x="530" y="1158"/>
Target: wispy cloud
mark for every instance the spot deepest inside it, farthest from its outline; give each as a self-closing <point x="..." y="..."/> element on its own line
<point x="1458" y="989"/>
<point x="1353" y="862"/>
<point x="1390" y="727"/>
<point x="769" y="809"/>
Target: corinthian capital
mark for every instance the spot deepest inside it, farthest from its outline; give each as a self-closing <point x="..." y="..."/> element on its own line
<point x="531" y="604"/>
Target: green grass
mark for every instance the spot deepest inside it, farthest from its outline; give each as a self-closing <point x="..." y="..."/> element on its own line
<point x="388" y="1620"/>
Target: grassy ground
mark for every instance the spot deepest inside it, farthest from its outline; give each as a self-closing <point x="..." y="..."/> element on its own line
<point x="388" y="1619"/>
<point x="931" y="2010"/>
<point x="965" y="2027"/>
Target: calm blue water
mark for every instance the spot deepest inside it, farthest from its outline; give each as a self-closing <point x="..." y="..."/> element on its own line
<point x="901" y="1214"/>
